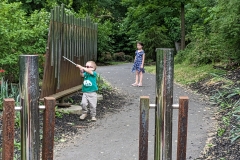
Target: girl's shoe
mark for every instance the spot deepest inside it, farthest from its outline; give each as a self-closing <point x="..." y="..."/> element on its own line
<point x="94" y="118"/>
<point x="83" y="116"/>
<point x="134" y="84"/>
<point x="139" y="85"/>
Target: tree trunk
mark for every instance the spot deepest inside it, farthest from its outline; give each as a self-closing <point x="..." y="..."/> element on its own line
<point x="182" y="26"/>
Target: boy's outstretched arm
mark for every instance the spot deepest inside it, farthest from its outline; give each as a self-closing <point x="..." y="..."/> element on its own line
<point x="81" y="73"/>
<point x="88" y="70"/>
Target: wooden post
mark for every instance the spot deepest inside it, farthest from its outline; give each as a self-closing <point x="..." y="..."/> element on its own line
<point x="48" y="128"/>
<point x="143" y="127"/>
<point x="8" y="129"/>
<point x="182" y="128"/>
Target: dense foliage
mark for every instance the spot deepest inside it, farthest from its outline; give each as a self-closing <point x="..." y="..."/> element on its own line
<point x="214" y="32"/>
<point x="212" y="28"/>
<point x="20" y="34"/>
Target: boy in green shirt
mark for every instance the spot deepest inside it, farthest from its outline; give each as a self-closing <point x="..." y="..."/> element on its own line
<point x="89" y="89"/>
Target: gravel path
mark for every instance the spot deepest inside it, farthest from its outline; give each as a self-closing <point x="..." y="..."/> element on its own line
<point x="116" y="135"/>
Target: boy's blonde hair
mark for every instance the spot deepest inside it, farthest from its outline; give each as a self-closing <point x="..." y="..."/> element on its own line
<point x="93" y="64"/>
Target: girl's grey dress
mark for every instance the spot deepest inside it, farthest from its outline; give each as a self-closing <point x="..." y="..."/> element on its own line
<point x="138" y="62"/>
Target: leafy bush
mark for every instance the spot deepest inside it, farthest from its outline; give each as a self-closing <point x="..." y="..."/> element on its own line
<point x="105" y="57"/>
<point x="20" y="34"/>
<point x="102" y="85"/>
<point x="2" y="72"/>
<point x="128" y="58"/>
<point x="120" y="56"/>
<point x="104" y="38"/>
<point x="215" y="35"/>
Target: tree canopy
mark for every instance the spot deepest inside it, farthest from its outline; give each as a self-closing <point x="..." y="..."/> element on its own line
<point x="211" y="27"/>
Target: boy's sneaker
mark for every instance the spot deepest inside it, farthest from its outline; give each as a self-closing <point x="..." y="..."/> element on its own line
<point x="83" y="116"/>
<point x="94" y="118"/>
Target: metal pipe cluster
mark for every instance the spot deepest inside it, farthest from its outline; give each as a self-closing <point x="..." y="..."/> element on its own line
<point x="74" y="38"/>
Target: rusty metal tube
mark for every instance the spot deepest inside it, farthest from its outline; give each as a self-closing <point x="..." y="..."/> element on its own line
<point x="164" y="101"/>
<point x="8" y="129"/>
<point x="29" y="93"/>
<point x="143" y="127"/>
<point x="182" y="128"/>
<point x="48" y="128"/>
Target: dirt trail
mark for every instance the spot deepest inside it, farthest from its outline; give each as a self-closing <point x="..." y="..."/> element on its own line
<point x="116" y="135"/>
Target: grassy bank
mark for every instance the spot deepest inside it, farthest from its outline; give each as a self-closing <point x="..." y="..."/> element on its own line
<point x="223" y="88"/>
<point x="187" y="74"/>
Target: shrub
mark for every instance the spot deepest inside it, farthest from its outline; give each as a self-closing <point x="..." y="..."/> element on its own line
<point x="128" y="58"/>
<point x="104" y="38"/>
<point x="20" y="34"/>
<point x="120" y="56"/>
<point x="105" y="57"/>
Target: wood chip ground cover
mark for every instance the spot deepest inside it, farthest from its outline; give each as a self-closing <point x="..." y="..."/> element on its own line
<point x="68" y="125"/>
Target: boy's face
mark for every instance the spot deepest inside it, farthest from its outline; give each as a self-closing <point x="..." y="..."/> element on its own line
<point x="90" y="66"/>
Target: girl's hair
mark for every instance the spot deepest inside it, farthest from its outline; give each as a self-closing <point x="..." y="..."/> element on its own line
<point x="140" y="43"/>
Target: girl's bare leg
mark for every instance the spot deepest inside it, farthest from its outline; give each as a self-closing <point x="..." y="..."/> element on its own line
<point x="140" y="78"/>
<point x="136" y="80"/>
<point x="137" y="74"/>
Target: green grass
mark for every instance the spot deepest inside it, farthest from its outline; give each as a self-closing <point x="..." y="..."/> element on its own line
<point x="186" y="74"/>
<point x="117" y="63"/>
<point x="150" y="69"/>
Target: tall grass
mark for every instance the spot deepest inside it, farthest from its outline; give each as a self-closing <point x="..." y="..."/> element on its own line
<point x="8" y="91"/>
<point x="186" y="74"/>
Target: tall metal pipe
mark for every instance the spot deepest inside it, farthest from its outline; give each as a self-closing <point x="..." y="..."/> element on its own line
<point x="164" y="101"/>
<point x="29" y="93"/>
<point x="182" y="127"/>
<point x="143" y="128"/>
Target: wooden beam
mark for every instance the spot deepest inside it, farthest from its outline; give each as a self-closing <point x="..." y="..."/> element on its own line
<point x="65" y="92"/>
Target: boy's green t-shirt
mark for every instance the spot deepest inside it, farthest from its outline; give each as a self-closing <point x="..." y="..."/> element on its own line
<point x="90" y="82"/>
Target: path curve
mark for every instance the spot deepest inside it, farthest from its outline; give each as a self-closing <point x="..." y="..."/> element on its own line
<point x="116" y="137"/>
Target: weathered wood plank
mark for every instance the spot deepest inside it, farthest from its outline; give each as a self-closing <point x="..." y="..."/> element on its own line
<point x="65" y="92"/>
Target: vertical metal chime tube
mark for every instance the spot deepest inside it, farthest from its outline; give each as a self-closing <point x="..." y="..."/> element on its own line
<point x="169" y="66"/>
<point x="84" y="41"/>
<point x="52" y="37"/>
<point x="143" y="128"/>
<point x="164" y="100"/>
<point x="158" y="116"/>
<point x="29" y="92"/>
<point x="96" y="37"/>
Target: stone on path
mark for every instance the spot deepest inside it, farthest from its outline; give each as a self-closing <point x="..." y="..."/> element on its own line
<point x="76" y="109"/>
